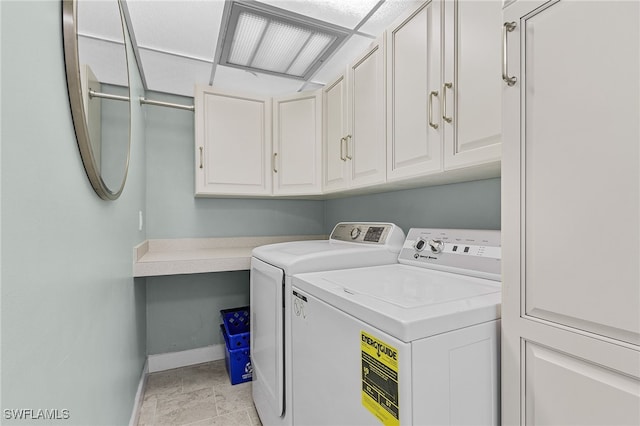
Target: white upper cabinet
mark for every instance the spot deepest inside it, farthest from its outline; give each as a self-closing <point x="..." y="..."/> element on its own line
<point x="233" y="144"/>
<point x="444" y="93"/>
<point x="471" y="86"/>
<point x="334" y="157"/>
<point x="413" y="95"/>
<point x="297" y="144"/>
<point x="354" y="125"/>
<point x="366" y="140"/>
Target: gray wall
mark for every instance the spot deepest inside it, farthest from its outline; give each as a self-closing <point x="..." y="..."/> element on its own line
<point x="73" y="318"/>
<point x="461" y="205"/>
<point x="183" y="310"/>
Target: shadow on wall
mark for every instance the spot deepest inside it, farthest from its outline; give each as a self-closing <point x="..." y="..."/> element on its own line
<point x="183" y="311"/>
<point x="460" y="205"/>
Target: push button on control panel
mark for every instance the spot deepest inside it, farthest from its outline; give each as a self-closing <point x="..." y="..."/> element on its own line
<point x="419" y="244"/>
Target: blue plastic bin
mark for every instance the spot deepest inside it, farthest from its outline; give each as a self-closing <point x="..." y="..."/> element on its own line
<point x="237" y="361"/>
<point x="236" y="324"/>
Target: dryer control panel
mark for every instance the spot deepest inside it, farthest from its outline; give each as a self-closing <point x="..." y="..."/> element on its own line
<point x="473" y="252"/>
<point x="367" y="233"/>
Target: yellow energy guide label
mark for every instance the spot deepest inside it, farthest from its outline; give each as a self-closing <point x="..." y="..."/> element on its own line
<point x="380" y="379"/>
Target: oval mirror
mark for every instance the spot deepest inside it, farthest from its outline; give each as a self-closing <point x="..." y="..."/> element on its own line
<point x="96" y="63"/>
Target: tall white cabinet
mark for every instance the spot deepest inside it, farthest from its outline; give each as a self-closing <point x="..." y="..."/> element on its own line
<point x="571" y="213"/>
<point x="355" y="140"/>
<point x="233" y="143"/>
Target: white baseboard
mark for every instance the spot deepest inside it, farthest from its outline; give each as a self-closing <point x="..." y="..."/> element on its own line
<point x="167" y="361"/>
<point x="137" y="403"/>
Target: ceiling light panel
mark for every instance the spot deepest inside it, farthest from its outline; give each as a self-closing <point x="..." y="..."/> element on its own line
<point x="263" y="39"/>
<point x="280" y="47"/>
<point x="314" y="46"/>
<point x="344" y="13"/>
<point x="248" y="34"/>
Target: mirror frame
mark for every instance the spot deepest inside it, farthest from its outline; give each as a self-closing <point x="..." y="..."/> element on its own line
<point x="74" y="87"/>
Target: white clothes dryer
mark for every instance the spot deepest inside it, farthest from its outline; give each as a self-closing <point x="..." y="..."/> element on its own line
<point x="411" y="343"/>
<point x="350" y="245"/>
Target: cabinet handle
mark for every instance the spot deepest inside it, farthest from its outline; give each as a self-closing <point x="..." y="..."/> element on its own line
<point x="201" y="157"/>
<point x="431" y="95"/>
<point x="342" y="141"/>
<point x="275" y="159"/>
<point x="347" y="139"/>
<point x="444" y="102"/>
<point x="507" y="28"/>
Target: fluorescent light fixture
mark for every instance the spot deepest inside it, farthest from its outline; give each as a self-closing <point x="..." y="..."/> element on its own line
<point x="262" y="38"/>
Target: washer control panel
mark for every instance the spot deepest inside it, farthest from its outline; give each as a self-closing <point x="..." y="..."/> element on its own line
<point x="472" y="252"/>
<point x="369" y="233"/>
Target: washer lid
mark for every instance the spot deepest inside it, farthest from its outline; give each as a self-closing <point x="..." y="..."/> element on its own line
<point x="409" y="289"/>
<point x="405" y="301"/>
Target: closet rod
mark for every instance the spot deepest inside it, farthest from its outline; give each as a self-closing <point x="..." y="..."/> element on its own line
<point x="94" y="94"/>
<point x="167" y="104"/>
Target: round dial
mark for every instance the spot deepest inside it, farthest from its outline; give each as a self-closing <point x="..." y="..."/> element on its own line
<point x="419" y="244"/>
<point x="355" y="232"/>
<point x="436" y="245"/>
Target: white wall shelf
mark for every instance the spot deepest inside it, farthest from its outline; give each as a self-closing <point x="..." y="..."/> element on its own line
<point x="199" y="255"/>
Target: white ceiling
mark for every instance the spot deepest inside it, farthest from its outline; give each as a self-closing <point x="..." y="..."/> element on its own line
<point x="176" y="42"/>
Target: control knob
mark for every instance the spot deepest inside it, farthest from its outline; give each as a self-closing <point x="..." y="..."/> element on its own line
<point x="419" y="244"/>
<point x="355" y="232"/>
<point x="436" y="246"/>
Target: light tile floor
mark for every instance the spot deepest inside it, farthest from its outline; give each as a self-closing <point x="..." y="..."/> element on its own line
<point x="197" y="395"/>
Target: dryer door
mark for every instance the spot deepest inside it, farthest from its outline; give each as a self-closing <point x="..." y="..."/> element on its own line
<point x="267" y="329"/>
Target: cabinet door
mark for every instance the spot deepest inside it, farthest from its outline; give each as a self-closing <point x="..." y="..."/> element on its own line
<point x="413" y="79"/>
<point x="233" y="144"/>
<point x="335" y="124"/>
<point x="471" y="109"/>
<point x="571" y="214"/>
<point x="366" y="148"/>
<point x="297" y="149"/>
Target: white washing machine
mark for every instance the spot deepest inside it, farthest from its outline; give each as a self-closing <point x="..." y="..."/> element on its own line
<point x="349" y="245"/>
<point x="412" y="343"/>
